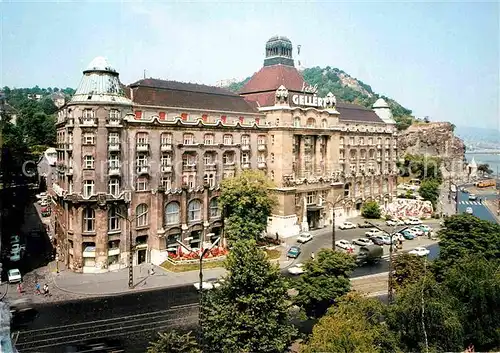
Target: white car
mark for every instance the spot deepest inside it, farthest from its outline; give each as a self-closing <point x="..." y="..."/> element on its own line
<point x="420" y="251"/>
<point x="373" y="232"/>
<point x="210" y="284"/>
<point x="391" y="223"/>
<point x="469" y="210"/>
<point x="362" y="242"/>
<point x="298" y="269"/>
<point x="344" y="244"/>
<point x="347" y="225"/>
<point x="419" y="232"/>
<point x="304" y="237"/>
<point x="14" y="276"/>
<point x="414" y="221"/>
<point x="15" y="239"/>
<point x="15" y="256"/>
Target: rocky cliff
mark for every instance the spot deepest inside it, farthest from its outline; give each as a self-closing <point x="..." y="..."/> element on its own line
<point x="435" y="139"/>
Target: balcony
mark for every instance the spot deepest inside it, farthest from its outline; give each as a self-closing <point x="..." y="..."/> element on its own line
<point x="166" y="169"/>
<point x="113" y="122"/>
<point x="229" y="165"/>
<point x="88" y="122"/>
<point x="166" y="147"/>
<point x="262" y="165"/>
<point x="112" y="252"/>
<point x="189" y="167"/>
<point x="142" y="147"/>
<point x="113" y="146"/>
<point x="245" y="165"/>
<point x="69" y="171"/>
<point x="210" y="166"/>
<point x="245" y="148"/>
<point x="142" y="169"/>
<point x="262" y="147"/>
<point x="114" y="171"/>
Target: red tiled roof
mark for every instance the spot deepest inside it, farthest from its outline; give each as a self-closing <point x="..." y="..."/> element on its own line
<point x="188" y="95"/>
<point x="354" y="112"/>
<point x="270" y="78"/>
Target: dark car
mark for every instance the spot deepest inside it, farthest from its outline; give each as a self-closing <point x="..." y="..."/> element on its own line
<point x="364" y="225"/>
<point x="377" y="240"/>
<point x="293" y="252"/>
<point x="102" y="345"/>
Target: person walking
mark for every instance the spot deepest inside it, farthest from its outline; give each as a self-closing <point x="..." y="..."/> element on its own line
<point x="312" y="256"/>
<point x="37" y="289"/>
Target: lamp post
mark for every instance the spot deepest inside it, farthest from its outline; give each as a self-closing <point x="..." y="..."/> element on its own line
<point x="390" y="285"/>
<point x="456" y="196"/>
<point x="333" y="204"/>
<point x="130" y="221"/>
<point x="201" y="255"/>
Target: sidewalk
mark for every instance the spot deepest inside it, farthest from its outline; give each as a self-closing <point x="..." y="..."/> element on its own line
<point x="492" y="206"/>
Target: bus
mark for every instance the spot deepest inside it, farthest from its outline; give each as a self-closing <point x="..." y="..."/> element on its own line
<point x="486" y="183"/>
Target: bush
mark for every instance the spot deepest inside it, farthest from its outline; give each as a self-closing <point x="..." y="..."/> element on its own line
<point x="371" y="210"/>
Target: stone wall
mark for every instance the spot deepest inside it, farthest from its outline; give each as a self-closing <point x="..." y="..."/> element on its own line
<point x="435" y="139"/>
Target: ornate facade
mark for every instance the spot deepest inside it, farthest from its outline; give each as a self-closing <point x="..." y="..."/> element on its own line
<point x="139" y="166"/>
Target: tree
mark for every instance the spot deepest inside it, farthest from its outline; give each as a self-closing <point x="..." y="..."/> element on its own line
<point x="408" y="269"/>
<point x="464" y="235"/>
<point x="249" y="311"/>
<point x="421" y="167"/>
<point x="484" y="169"/>
<point x="429" y="303"/>
<point x="475" y="282"/>
<point x="429" y="190"/>
<point x="371" y="210"/>
<point x="354" y="325"/>
<point x="326" y="278"/>
<point x="174" y="342"/>
<point x="247" y="202"/>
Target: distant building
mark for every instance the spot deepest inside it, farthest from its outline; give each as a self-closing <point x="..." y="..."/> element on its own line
<point x="46" y="166"/>
<point x="472" y="169"/>
<point x="58" y="98"/>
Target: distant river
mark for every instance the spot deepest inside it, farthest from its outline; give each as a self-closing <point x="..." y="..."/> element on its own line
<point x="491" y="159"/>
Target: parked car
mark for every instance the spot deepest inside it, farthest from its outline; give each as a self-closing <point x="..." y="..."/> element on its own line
<point x="373" y="233"/>
<point x="210" y="284"/>
<point x="391" y="222"/>
<point x="14" y="276"/>
<point x="364" y="225"/>
<point x="413" y="221"/>
<point x="298" y="269"/>
<point x="400" y="222"/>
<point x="344" y="244"/>
<point x="362" y="242"/>
<point x="420" y="251"/>
<point x="15" y="239"/>
<point x="407" y="234"/>
<point x="15" y="256"/>
<point x="424" y="228"/>
<point x="419" y="232"/>
<point x="347" y="225"/>
<point x="378" y="240"/>
<point x="304" y="237"/>
<point x="469" y="210"/>
<point x="293" y="252"/>
<point x="369" y="254"/>
<point x="387" y="240"/>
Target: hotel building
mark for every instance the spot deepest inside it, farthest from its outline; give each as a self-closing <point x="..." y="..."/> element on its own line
<point x="139" y="166"/>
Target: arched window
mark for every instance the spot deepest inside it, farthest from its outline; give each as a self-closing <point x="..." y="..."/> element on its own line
<point x="296" y="122"/>
<point x="113" y="219"/>
<point x="214" y="208"/>
<point x="141" y="214"/>
<point x="194" y="211"/>
<point x="324" y="123"/>
<point x="172" y="215"/>
<point x="89" y="220"/>
<point x="311" y="122"/>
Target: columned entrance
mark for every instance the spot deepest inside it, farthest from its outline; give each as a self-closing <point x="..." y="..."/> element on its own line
<point x="314" y="217"/>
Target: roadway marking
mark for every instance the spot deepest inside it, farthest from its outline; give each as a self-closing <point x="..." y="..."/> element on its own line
<point x="470" y="203"/>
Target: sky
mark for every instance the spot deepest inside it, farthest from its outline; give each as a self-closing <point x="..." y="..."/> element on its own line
<point x="440" y="60"/>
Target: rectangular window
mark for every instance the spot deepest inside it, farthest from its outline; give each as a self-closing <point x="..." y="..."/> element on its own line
<point x="228" y="139"/>
<point x="208" y="139"/>
<point x="88" y="114"/>
<point x="166" y="139"/>
<point x="166" y="182"/>
<point x="245" y="158"/>
<point x="88" y="138"/>
<point x="141" y="184"/>
<point x="142" y="160"/>
<point x="88" y="162"/>
<point x="88" y="188"/>
<point x="261" y="158"/>
<point x="113" y="138"/>
<point x="311" y="198"/>
<point x="261" y="140"/>
<point x="188" y="139"/>
<point x="142" y="139"/>
<point x="114" y="161"/>
<point x="245" y="140"/>
<point x="114" y="114"/>
<point x="189" y="160"/>
<point x="228" y="158"/>
<point x="209" y="179"/>
<point x="114" y="187"/>
<point x="209" y="159"/>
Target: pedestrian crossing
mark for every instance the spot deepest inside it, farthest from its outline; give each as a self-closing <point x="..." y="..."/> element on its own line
<point x="470" y="203"/>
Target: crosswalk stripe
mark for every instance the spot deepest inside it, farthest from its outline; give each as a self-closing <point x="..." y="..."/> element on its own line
<point x="469" y="203"/>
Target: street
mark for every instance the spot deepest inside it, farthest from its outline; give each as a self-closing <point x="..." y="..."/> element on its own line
<point x="479" y="209"/>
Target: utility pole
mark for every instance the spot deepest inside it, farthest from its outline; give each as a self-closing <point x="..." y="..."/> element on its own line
<point x="390" y="284"/>
<point x="333" y="204"/>
<point x="130" y="221"/>
<point x="201" y="255"/>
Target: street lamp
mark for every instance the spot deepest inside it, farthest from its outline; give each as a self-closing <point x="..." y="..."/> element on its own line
<point x="201" y="256"/>
<point x="390" y="286"/>
<point x="333" y="204"/>
<point x="130" y="221"/>
<point x="456" y="196"/>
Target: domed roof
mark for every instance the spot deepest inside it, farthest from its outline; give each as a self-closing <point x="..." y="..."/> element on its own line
<point x="276" y="38"/>
<point x="380" y="103"/>
<point x="100" y="63"/>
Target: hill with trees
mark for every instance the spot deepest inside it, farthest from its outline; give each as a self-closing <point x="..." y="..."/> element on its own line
<point x="347" y="89"/>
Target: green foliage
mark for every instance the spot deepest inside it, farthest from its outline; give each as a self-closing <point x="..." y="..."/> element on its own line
<point x="421" y="167"/>
<point x="247" y="202"/>
<point x="249" y="311"/>
<point x="475" y="282"/>
<point x="408" y="269"/>
<point x="484" y="169"/>
<point x="371" y="210"/>
<point x="324" y="281"/>
<point x="443" y="326"/>
<point x="354" y="325"/>
<point x="429" y="190"/>
<point x="465" y="235"/>
<point x="237" y="86"/>
<point x="174" y="342"/>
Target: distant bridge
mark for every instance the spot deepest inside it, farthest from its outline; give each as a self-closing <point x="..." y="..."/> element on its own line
<point x="497" y="152"/>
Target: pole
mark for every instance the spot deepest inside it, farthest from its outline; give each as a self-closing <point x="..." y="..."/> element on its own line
<point x="390" y="284"/>
<point x="333" y="229"/>
<point x="200" y="309"/>
<point x="130" y="257"/>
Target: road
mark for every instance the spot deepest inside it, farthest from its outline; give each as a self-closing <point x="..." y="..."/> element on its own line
<point x="479" y="209"/>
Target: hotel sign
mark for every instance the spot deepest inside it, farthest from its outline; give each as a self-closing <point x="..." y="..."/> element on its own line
<point x="310" y="101"/>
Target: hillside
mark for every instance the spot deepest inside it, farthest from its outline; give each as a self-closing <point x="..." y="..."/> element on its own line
<point x="346" y="89"/>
